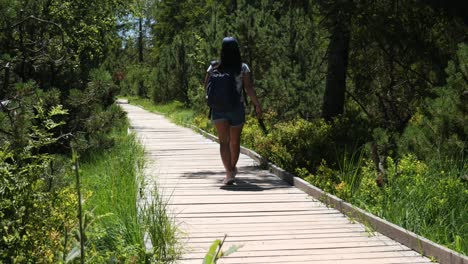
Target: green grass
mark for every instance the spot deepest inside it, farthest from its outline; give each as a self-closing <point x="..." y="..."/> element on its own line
<point x="161" y="229"/>
<point x="117" y="220"/>
<point x="111" y="180"/>
<point x="421" y="197"/>
<point x="349" y="167"/>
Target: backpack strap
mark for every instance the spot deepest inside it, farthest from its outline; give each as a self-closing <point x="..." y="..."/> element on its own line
<point x="246" y="102"/>
<point x="214" y="65"/>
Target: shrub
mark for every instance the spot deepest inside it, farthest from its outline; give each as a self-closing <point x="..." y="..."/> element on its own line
<point x="34" y="213"/>
<point x="92" y="112"/>
<point x="297" y="144"/>
<point x="325" y="178"/>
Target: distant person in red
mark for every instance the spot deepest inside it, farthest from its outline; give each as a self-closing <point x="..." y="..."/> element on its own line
<point x="229" y="122"/>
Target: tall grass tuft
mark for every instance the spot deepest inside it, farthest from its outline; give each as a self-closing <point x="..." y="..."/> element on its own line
<point x="112" y="180"/>
<point x="350" y="172"/>
<point x="160" y="228"/>
<point x="425" y="198"/>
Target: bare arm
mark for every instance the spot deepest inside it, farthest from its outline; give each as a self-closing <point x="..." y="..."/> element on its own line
<point x="251" y="93"/>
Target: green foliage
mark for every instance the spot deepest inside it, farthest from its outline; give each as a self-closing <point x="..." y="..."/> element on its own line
<point x="426" y="200"/>
<point x="137" y="75"/>
<point x="38" y="208"/>
<point x="296" y="144"/>
<point x="52" y="92"/>
<point x="33" y="214"/>
<point x="212" y="254"/>
<point x="282" y="45"/>
<point x="215" y="251"/>
<point x="393" y="70"/>
<point x="161" y="229"/>
<point x="56" y="46"/>
<point x="93" y="113"/>
<point x="325" y="178"/>
<point x="350" y="174"/>
<point x="114" y="194"/>
<point x="438" y="129"/>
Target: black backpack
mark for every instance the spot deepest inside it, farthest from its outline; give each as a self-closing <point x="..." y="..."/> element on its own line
<point x="221" y="91"/>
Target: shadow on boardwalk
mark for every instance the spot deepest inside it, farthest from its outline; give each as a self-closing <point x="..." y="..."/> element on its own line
<point x="245" y="181"/>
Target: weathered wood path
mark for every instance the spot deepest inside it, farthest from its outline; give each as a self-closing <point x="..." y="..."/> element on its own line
<point x="275" y="223"/>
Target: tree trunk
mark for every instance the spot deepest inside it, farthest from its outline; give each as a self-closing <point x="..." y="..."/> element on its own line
<point x="6" y="84"/>
<point x="232" y="7"/>
<point x="141" y="89"/>
<point x="338" y="48"/>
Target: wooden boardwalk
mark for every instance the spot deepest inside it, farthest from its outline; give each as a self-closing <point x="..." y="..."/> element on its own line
<point x="275" y="223"/>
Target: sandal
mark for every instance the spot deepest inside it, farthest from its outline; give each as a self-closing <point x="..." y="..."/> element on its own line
<point x="229" y="181"/>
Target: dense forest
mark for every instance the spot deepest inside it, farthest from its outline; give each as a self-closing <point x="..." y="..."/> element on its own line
<point x="367" y="100"/>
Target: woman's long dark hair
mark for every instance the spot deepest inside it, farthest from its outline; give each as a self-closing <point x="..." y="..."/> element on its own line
<point x="230" y="56"/>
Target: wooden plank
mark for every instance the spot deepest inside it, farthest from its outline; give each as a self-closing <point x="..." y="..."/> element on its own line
<point x="293" y="259"/>
<point x="308" y="237"/>
<point x="257" y="207"/>
<point x="290" y="219"/>
<point x="276" y="232"/>
<point x="266" y="226"/>
<point x="306" y="256"/>
<point x="292" y="245"/>
<point x="396" y="250"/>
<point x="209" y="199"/>
<point x="299" y="241"/>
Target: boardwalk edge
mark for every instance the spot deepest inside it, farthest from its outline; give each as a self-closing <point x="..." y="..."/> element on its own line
<point x="418" y="243"/>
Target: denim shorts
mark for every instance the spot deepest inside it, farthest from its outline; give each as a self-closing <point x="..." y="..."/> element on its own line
<point x="235" y="117"/>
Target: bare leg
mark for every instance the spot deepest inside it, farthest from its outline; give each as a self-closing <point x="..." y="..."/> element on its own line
<point x="223" y="129"/>
<point x="235" y="135"/>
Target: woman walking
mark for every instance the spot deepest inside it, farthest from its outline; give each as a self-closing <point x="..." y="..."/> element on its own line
<point x="229" y="123"/>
